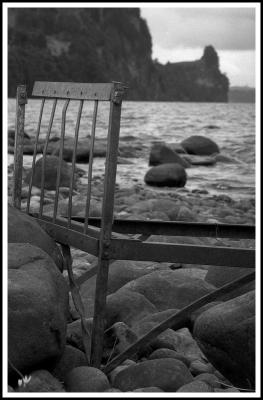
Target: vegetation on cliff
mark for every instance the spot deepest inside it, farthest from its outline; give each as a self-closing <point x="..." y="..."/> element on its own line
<point x="102" y="45"/>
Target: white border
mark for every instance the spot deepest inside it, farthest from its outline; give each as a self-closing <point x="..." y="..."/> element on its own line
<point x="5" y="7"/>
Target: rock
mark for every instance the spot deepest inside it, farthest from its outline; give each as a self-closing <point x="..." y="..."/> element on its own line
<point x="226" y="335"/>
<point x="148" y="389"/>
<point x="167" y="339"/>
<point x="112" y="390"/>
<point x="169" y="289"/>
<point x="171" y="175"/>
<point x="209" y="378"/>
<point x="168" y="353"/>
<point x="24" y="229"/>
<point x="83" y="149"/>
<point x="74" y="332"/>
<point x="86" y="379"/>
<point x="127" y="306"/>
<point x="185" y="214"/>
<point x="199" y="160"/>
<point x="219" y="276"/>
<point x="51" y="167"/>
<point x="78" y="207"/>
<point x="164" y="205"/>
<point x="121" y="336"/>
<point x="12" y="135"/>
<point x="37" y="308"/>
<point x="198" y="367"/>
<point x="196" y="387"/>
<point x="200" y="146"/>
<point x="41" y="381"/>
<point x="162" y="154"/>
<point x="167" y="374"/>
<point x="71" y="358"/>
<point x="124" y="271"/>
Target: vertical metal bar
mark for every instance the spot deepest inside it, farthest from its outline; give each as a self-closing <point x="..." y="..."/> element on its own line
<point x="74" y="162"/>
<point x="92" y="141"/>
<point x="34" y="155"/>
<point x="106" y="227"/>
<point x="21" y="100"/>
<point x="63" y="124"/>
<point x="43" y="164"/>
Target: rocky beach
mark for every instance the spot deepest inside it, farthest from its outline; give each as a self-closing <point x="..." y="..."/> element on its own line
<point x="203" y="355"/>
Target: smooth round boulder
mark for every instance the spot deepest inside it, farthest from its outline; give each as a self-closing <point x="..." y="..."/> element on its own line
<point x="50" y="176"/>
<point x="24" y="229"/>
<point x="37" y="308"/>
<point x="168" y="353"/>
<point x="86" y="379"/>
<point x="127" y="306"/>
<point x="169" y="288"/>
<point x="162" y="154"/>
<point x="83" y="149"/>
<point x="166" y="373"/>
<point x="226" y="335"/>
<point x="171" y="175"/>
<point x="200" y="145"/>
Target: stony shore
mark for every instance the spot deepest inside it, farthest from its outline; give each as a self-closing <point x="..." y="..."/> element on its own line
<point x="140" y="295"/>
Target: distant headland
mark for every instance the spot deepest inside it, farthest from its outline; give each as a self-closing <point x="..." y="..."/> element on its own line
<point x="103" y="45"/>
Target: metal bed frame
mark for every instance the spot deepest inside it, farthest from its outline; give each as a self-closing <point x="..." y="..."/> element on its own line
<point x="105" y="237"/>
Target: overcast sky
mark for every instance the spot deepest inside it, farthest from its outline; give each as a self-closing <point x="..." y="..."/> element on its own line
<point x="180" y="34"/>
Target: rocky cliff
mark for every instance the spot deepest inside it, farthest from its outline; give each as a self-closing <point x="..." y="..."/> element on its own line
<point x="102" y="45"/>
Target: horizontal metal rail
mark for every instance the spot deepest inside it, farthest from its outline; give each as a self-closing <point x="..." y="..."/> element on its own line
<point x="74" y="91"/>
<point x="71" y="237"/>
<point x="172" y="228"/>
<point x="125" y="249"/>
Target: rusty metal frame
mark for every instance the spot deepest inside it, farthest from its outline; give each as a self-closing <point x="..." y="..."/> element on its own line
<point x="107" y="238"/>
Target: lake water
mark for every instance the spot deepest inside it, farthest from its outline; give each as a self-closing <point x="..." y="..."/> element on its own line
<point x="230" y="125"/>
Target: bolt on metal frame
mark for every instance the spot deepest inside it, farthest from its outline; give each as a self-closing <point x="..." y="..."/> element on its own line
<point x="105" y="237"/>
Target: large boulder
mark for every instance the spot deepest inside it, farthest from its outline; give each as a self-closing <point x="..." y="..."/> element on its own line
<point x="219" y="276"/>
<point x="226" y="335"/>
<point x="37" y="308"/>
<point x="171" y="175"/>
<point x="24" y="229"/>
<point x="200" y="146"/>
<point x="162" y="154"/>
<point x="120" y="273"/>
<point x="169" y="288"/>
<point x="50" y="177"/>
<point x="127" y="306"/>
<point x="167" y="374"/>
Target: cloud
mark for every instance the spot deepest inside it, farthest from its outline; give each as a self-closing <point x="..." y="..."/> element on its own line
<point x="224" y="28"/>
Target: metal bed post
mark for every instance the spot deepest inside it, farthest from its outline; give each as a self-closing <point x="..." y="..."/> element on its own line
<point x="21" y="100"/>
<point x="106" y="226"/>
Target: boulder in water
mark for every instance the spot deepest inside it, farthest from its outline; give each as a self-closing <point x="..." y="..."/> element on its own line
<point x="200" y="145"/>
<point x="50" y="177"/>
<point x="171" y="175"/>
<point x="162" y="154"/>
